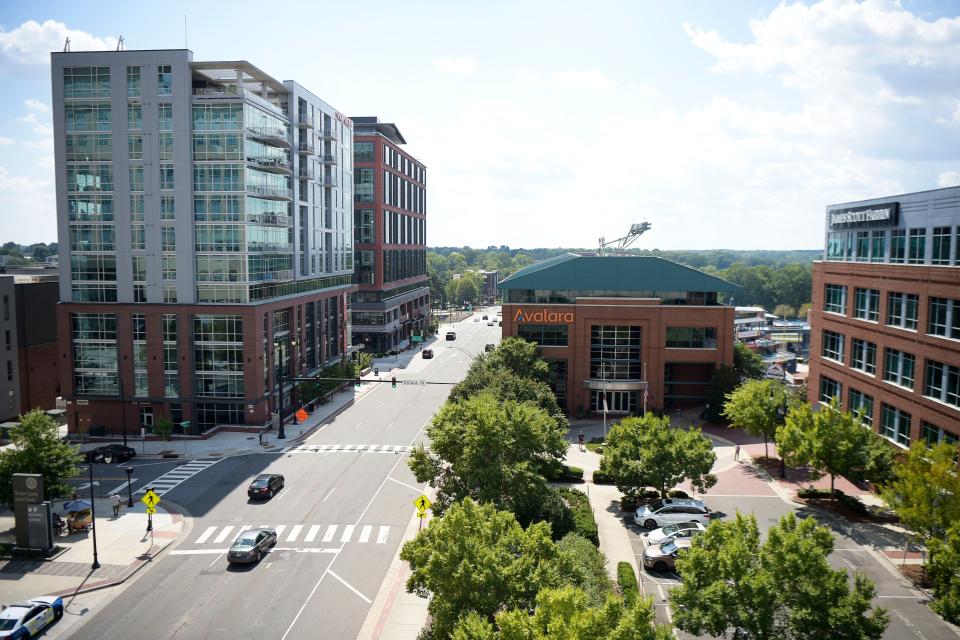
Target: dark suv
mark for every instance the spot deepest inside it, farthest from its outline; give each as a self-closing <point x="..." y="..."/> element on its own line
<point x="265" y="485"/>
<point x="451" y="335"/>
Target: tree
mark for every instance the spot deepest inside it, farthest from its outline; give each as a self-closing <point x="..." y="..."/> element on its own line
<point x="782" y="589"/>
<point x="645" y="451"/>
<point x="582" y="564"/>
<point x="521" y="358"/>
<point x="925" y="491"/>
<point x="757" y="406"/>
<point x="747" y="363"/>
<point x="784" y="311"/>
<point x="491" y="451"/>
<point x="163" y="428"/>
<point x="945" y="574"/>
<point x="476" y="558"/>
<point x="724" y="380"/>
<point x="831" y="441"/>
<point x="506" y="385"/>
<point x="37" y="448"/>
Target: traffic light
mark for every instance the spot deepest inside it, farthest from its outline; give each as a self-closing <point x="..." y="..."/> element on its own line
<point x="393" y="382"/>
<point x="356" y="384"/>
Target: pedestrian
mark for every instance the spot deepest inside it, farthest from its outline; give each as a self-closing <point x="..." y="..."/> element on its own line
<point x="115" y="501"/>
<point x="580" y="440"/>
<point x="736" y="453"/>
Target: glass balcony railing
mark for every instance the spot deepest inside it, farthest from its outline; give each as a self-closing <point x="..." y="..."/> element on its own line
<point x="328" y="159"/>
<point x="270" y="164"/>
<point x="274" y="136"/>
<point x="329" y="181"/>
<point x="274" y="193"/>
<point x="306" y="148"/>
<point x="305" y="172"/>
<point x="306" y="120"/>
<point x="328" y="134"/>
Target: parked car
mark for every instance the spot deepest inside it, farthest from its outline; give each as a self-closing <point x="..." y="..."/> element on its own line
<point x="663" y="557"/>
<point x="426" y="354"/>
<point x="500" y="324"/>
<point x="674" y="532"/>
<point x="251" y="546"/>
<point x="489" y="347"/>
<point x="485" y="317"/>
<point x="671" y="511"/>
<point x="29" y="619"/>
<point x="265" y="485"/>
<point x="451" y="335"/>
<point x="110" y="453"/>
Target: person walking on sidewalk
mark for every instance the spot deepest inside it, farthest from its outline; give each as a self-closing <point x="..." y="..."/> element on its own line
<point x="115" y="501"/>
<point x="736" y="453"/>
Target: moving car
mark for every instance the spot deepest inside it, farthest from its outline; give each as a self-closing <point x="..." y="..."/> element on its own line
<point x="426" y="354"/>
<point x="485" y="317"/>
<point x="265" y="485"/>
<point x="663" y="557"/>
<point x="671" y="511"/>
<point x="490" y="347"/>
<point x="491" y="323"/>
<point x="110" y="453"/>
<point x="251" y="546"/>
<point x="451" y="335"/>
<point x="28" y="619"/>
<point x="674" y="532"/>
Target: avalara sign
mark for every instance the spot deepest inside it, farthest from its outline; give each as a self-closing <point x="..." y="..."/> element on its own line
<point x="543" y="316"/>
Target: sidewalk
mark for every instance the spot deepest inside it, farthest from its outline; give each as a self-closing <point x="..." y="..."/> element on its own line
<point x="123" y="547"/>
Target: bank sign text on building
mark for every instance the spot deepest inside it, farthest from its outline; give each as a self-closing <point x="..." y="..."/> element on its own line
<point x="543" y="317"/>
<point x="886" y="213"/>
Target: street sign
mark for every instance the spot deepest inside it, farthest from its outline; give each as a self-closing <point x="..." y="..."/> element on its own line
<point x="422" y="504"/>
<point x="412" y="381"/>
<point x="150" y="499"/>
<point x="301" y="414"/>
<point x="151" y="510"/>
<point x="416" y="338"/>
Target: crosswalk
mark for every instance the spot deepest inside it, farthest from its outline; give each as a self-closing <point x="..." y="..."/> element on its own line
<point x="351" y="448"/>
<point x="177" y="476"/>
<point x="309" y="534"/>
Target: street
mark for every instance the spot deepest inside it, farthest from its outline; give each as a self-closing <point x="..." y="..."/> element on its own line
<point x="340" y="520"/>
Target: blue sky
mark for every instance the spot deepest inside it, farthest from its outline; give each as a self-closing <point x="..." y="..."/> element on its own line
<point x="725" y="124"/>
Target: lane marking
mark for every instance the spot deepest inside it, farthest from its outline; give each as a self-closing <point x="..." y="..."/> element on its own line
<point x="220" y="552"/>
<point x="329" y="494"/>
<point x="282" y="494"/>
<point x="305" y="602"/>
<point x="312" y="533"/>
<point x="389" y="425"/>
<point x="294" y="532"/>
<point x="206" y="534"/>
<point x="328" y="536"/>
<point x="279" y="530"/>
<point x="347" y="533"/>
<point x="223" y="534"/>
<point x="215" y="560"/>
<point x="351" y="587"/>
<point x="382" y="536"/>
<point x="409" y="486"/>
<point x="365" y="533"/>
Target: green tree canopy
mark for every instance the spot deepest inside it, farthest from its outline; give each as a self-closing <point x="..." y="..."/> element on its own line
<point x="781" y="589"/>
<point x="490" y="450"/>
<point x="925" y="491"/>
<point x="747" y="363"/>
<point x="645" y="451"/>
<point x="37" y="448"/>
<point x="757" y="407"/>
<point x="945" y="574"/>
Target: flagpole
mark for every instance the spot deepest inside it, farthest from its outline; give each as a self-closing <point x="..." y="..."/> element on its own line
<point x="603" y="371"/>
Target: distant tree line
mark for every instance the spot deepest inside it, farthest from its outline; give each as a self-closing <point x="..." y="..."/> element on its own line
<point x="20" y="254"/>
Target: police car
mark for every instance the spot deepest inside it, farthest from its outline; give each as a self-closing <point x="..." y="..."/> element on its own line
<point x="28" y="619"/>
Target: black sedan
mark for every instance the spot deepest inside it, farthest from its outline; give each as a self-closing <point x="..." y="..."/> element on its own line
<point x="110" y="453"/>
<point x="251" y="546"/>
<point x="265" y="485"/>
<point x="427" y="354"/>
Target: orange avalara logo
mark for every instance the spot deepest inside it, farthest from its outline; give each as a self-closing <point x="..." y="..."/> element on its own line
<point x="543" y="316"/>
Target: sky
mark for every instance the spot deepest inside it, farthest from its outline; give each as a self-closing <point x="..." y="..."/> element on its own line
<point x="553" y="123"/>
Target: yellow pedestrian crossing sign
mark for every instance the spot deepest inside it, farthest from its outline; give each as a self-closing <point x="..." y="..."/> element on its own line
<point x="151" y="500"/>
<point x="422" y="504"/>
<point x="151" y="510"/>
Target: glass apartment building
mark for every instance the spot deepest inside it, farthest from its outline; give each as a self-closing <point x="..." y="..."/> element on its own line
<point x="885" y="323"/>
<point x="205" y="224"/>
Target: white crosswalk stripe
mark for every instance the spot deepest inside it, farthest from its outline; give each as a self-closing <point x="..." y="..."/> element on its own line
<point x="348" y="448"/>
<point x="178" y="476"/>
<point x="306" y="534"/>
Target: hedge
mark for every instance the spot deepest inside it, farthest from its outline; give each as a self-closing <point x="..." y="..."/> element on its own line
<point x="584" y="524"/>
<point x="627" y="580"/>
<point x="600" y="477"/>
<point x="564" y="473"/>
<point x="851" y="502"/>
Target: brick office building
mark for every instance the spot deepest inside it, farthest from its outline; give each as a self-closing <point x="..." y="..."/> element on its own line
<point x="885" y="324"/>
<point x="622" y="326"/>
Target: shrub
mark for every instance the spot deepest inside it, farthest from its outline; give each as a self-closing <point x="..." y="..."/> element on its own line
<point x="584" y="566"/>
<point x="564" y="473"/>
<point x="601" y="477"/>
<point x="627" y="580"/>
<point x="851" y="502"/>
<point x="584" y="524"/>
<point x="679" y="493"/>
<point x="572" y="473"/>
<point x="553" y="507"/>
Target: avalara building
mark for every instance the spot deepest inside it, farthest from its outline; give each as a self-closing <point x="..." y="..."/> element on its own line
<point x="639" y="332"/>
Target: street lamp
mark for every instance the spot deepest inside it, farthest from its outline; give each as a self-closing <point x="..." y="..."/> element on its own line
<point x="123" y="407"/>
<point x="281" y="435"/>
<point x="603" y="374"/>
<point x="93" y="521"/>
<point x="129" y="471"/>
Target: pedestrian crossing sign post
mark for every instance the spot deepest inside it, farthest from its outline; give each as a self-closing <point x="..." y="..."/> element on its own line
<point x="422" y="504"/>
<point x="150" y="499"/>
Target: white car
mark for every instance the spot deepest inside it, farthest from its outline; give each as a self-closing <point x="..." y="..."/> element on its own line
<point x="674" y="532"/>
<point x="28" y="619"/>
<point x="671" y="511"/>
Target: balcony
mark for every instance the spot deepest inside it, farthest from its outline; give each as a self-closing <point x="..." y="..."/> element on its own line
<point x="305" y="172"/>
<point x="329" y="181"/>
<point x="270" y="164"/>
<point x="272" y="193"/>
<point x="306" y="121"/>
<point x="273" y="136"/>
<point x="328" y="159"/>
<point x="306" y="148"/>
<point x="232" y="92"/>
<point x="328" y="134"/>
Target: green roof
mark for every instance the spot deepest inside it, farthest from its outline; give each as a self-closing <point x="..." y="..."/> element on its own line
<point x="574" y="272"/>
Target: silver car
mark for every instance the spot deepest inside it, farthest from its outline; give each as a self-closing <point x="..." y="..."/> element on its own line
<point x="251" y="546"/>
<point x="674" y="532"/>
<point x="671" y="511"/>
<point x="664" y="557"/>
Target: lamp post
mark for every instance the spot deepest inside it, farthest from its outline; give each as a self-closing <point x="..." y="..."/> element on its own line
<point x="129" y="471"/>
<point x="603" y="374"/>
<point x="280" y="434"/>
<point x="123" y="407"/>
<point x="93" y="521"/>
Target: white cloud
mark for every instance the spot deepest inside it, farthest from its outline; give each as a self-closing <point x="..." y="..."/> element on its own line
<point x="40" y="128"/>
<point x="948" y="179"/>
<point x="460" y="66"/>
<point x="5" y="141"/>
<point x="28" y="208"/>
<point x="37" y="105"/>
<point x="582" y="80"/>
<point x="31" y="42"/>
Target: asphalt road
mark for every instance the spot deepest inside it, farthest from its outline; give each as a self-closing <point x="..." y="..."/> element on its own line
<point x="340" y="521"/>
<point x="110" y="478"/>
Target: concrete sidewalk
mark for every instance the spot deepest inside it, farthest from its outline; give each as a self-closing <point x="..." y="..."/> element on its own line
<point x="123" y="548"/>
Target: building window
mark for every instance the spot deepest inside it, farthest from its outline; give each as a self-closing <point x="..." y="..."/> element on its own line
<point x="136" y="178"/>
<point x="902" y="310"/>
<point x="171" y="364"/>
<point x="165" y="116"/>
<point x="139" y="293"/>
<point x="164" y="80"/>
<point x="615" y="352"/>
<point x="165" y="142"/>
<point x="210" y="415"/>
<point x="934" y="435"/>
<point x="866" y="304"/>
<point x="169" y="267"/>
<point x="898" y="245"/>
<point x="94" y="337"/>
<point x="918" y="246"/>
<point x="363" y="184"/>
<point x="363" y="227"/>
<point x="942" y="382"/>
<point x="895" y="424"/>
<point x="134" y="116"/>
<point x="9" y="370"/>
<point x="133" y="82"/>
<point x="166" y="177"/>
<point x="167" y="208"/>
<point x="863" y="356"/>
<point x="832" y="346"/>
<point x="363" y="152"/>
<point x="863" y="246"/>
<point x="829" y="389"/>
<point x="878" y="246"/>
<point x="135" y="147"/>
<point x="86" y="82"/>
<point x="835" y="246"/>
<point x="170" y="295"/>
<point x="691" y="338"/>
<point x="941" y="245"/>
<point x="558" y="380"/>
<point x="545" y="335"/>
<point x="138" y="237"/>
<point x="944" y="318"/>
<point x="835" y="298"/>
<point x="863" y="404"/>
<point x="898" y="368"/>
